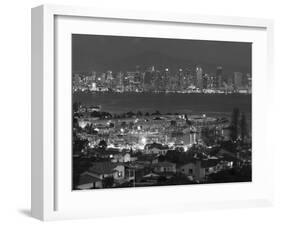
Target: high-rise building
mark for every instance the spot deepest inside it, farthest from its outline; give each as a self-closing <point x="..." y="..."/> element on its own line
<point x="103" y="77"/>
<point x="148" y="78"/>
<point x="138" y="68"/>
<point x="126" y="82"/>
<point x="138" y="74"/>
<point x="230" y="80"/>
<point x="173" y="82"/>
<point x="76" y="78"/>
<point x="218" y="81"/>
<point x="108" y="79"/>
<point x="190" y="78"/>
<point x="93" y="76"/>
<point x="108" y="75"/>
<point x="131" y="81"/>
<point x="211" y="81"/>
<point x="166" y="79"/>
<point x="138" y="79"/>
<point x="199" y="77"/>
<point x="158" y="85"/>
<point x="249" y="82"/>
<point x="180" y="80"/>
<point x="119" y="82"/>
<point x="245" y="80"/>
<point x="238" y="78"/>
<point x="185" y="79"/>
<point x="205" y="82"/>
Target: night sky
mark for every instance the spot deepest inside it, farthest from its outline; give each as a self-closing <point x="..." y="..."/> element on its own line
<point x="118" y="53"/>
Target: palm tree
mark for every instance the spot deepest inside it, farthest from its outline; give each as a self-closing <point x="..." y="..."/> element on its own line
<point x="243" y="127"/>
<point x="234" y="127"/>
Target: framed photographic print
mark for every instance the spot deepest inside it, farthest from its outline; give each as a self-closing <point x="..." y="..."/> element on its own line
<point x="138" y="112"/>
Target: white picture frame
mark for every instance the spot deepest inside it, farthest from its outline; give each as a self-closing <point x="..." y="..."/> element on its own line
<point x="46" y="161"/>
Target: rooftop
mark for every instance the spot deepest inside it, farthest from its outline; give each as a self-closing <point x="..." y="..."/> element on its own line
<point x="87" y="179"/>
<point x="209" y="163"/>
<point x="103" y="167"/>
<point x="164" y="164"/>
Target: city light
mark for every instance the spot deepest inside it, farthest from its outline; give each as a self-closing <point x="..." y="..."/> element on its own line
<point x="157" y="80"/>
<point x="143" y="140"/>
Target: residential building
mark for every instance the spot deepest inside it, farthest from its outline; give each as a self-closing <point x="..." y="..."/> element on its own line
<point x="164" y="167"/>
<point x="102" y="170"/>
<point x="156" y="148"/>
<point x="88" y="181"/>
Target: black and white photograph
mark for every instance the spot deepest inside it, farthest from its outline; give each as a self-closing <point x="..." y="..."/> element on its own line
<point x="159" y="111"/>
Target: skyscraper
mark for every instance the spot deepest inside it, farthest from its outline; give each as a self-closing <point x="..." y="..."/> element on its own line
<point x="218" y="81"/>
<point x="185" y="79"/>
<point x="230" y="79"/>
<point x="206" y="79"/>
<point x="249" y="82"/>
<point x="166" y="79"/>
<point x="148" y="76"/>
<point x="199" y="77"/>
<point x="119" y="82"/>
<point x="180" y="80"/>
<point x="211" y="81"/>
<point x="238" y="80"/>
<point x="190" y="77"/>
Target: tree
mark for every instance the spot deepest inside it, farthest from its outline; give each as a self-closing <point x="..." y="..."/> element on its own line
<point x="243" y="127"/>
<point x="179" y="179"/>
<point x="234" y="127"/>
<point x="79" y="165"/>
<point x="88" y="128"/>
<point x="208" y="135"/>
<point x="95" y="114"/>
<point x="130" y="114"/>
<point x="157" y="112"/>
<point x="102" y="145"/>
<point x="75" y="106"/>
<point x="123" y="124"/>
<point x="75" y="123"/>
<point x="108" y="182"/>
<point x="78" y="144"/>
<point x="188" y="122"/>
<point x="173" y="123"/>
<point x="243" y="174"/>
<point x="139" y="114"/>
<point x="177" y="156"/>
<point x="131" y="124"/>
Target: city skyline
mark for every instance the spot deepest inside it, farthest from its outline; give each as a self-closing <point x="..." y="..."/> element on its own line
<point x="154" y="80"/>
